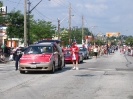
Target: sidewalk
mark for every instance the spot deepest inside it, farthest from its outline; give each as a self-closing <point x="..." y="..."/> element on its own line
<point x="7" y="61"/>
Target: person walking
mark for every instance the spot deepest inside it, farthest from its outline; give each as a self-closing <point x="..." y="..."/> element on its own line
<point x="95" y="50"/>
<point x="74" y="52"/>
<point x="18" y="54"/>
<point x="108" y="49"/>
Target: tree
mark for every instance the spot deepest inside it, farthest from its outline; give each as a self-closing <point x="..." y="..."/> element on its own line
<point x="1" y="17"/>
<point x="15" y="27"/>
<point x="64" y="37"/>
<point x="129" y="40"/>
<point x="40" y="29"/>
<point x="76" y="34"/>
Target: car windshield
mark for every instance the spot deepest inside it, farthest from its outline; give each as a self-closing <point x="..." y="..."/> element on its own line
<point x="81" y="49"/>
<point x="38" y="49"/>
<point x="67" y="52"/>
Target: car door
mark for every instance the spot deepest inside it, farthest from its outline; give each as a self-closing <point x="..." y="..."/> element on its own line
<point x="55" y="55"/>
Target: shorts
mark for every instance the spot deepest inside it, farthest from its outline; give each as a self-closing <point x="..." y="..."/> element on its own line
<point x="76" y="57"/>
<point x="95" y="53"/>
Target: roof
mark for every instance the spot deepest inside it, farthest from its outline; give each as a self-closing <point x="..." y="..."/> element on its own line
<point x="41" y="41"/>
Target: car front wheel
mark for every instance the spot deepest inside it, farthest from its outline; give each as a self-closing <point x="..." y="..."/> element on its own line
<point x="53" y="68"/>
<point x="22" y="72"/>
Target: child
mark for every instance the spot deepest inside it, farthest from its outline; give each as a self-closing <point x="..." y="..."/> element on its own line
<point x="2" y="57"/>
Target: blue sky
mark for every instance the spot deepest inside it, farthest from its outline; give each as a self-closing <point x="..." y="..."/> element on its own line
<point x="100" y="16"/>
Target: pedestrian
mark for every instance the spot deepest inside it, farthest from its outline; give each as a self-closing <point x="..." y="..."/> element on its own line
<point x="18" y="54"/>
<point x="108" y="49"/>
<point x="2" y="57"/>
<point x="74" y="52"/>
<point x="95" y="50"/>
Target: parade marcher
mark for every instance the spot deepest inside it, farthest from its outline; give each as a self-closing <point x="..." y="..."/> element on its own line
<point x="74" y="53"/>
<point x="95" y="50"/>
<point x="18" y="54"/>
<point x="108" y="49"/>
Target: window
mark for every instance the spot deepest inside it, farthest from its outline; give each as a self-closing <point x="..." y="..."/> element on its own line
<point x="38" y="49"/>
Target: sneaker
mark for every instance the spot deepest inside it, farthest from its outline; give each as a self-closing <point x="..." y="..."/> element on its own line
<point x="74" y="68"/>
<point x="77" y="68"/>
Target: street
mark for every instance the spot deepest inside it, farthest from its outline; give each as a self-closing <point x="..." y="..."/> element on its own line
<point x="107" y="77"/>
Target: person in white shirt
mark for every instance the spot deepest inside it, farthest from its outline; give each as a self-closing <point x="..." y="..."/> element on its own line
<point x="95" y="50"/>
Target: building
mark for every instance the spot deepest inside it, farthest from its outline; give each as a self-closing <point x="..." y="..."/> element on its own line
<point x="110" y="34"/>
<point x="3" y="35"/>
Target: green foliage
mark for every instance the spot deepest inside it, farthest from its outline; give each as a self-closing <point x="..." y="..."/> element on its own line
<point x="40" y="29"/>
<point x="64" y="37"/>
<point x="15" y="27"/>
<point x="86" y="31"/>
<point x="1" y="17"/>
<point x="97" y="42"/>
<point x="129" y="41"/>
<point x="77" y="35"/>
<point x="1" y="3"/>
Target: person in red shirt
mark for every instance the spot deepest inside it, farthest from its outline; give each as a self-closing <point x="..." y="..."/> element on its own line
<point x="74" y="53"/>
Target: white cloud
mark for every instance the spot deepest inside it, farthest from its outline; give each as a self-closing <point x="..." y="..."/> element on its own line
<point x="96" y="9"/>
<point x="54" y="3"/>
<point x="115" y="19"/>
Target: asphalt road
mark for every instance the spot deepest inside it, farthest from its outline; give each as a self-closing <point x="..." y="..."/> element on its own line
<point x="107" y="77"/>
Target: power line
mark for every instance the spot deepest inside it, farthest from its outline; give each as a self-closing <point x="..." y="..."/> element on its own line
<point x="64" y="3"/>
<point x="43" y="15"/>
<point x="14" y="2"/>
<point x="17" y="4"/>
<point x="60" y="4"/>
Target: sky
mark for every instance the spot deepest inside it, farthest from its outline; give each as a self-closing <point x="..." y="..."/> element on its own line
<point x="100" y="16"/>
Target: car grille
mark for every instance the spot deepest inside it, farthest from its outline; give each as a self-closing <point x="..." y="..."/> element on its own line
<point x="34" y="68"/>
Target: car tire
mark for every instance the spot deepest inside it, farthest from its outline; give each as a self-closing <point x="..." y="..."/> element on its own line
<point x="64" y="64"/>
<point x="22" y="72"/>
<point x="60" y="65"/>
<point x="87" y="56"/>
<point x="53" y="68"/>
<point x="82" y="60"/>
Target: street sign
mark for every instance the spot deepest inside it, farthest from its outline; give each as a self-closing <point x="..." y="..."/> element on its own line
<point x="3" y="10"/>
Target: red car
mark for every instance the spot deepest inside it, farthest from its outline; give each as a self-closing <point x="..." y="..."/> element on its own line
<point x="45" y="56"/>
<point x="68" y="56"/>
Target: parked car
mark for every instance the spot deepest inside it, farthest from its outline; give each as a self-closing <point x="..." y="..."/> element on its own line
<point x="84" y="51"/>
<point x="68" y="56"/>
<point x="44" y="56"/>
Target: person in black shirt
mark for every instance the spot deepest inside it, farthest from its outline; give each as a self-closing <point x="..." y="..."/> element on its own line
<point x="18" y="54"/>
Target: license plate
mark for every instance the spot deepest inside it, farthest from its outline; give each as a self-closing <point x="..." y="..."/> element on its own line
<point x="33" y="66"/>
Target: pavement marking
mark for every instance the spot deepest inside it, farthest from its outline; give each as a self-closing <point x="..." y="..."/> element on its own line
<point x="102" y="69"/>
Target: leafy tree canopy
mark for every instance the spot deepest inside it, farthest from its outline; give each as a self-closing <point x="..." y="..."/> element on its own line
<point x="40" y="29"/>
<point x="15" y="27"/>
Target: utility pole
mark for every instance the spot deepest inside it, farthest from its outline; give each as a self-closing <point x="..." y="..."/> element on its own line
<point x="25" y="27"/>
<point x="69" y="25"/>
<point x="58" y="29"/>
<point x="29" y="4"/>
<point x="82" y="29"/>
<point x="29" y="11"/>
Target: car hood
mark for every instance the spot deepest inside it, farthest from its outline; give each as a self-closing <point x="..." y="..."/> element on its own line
<point x="34" y="58"/>
<point x="82" y="51"/>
